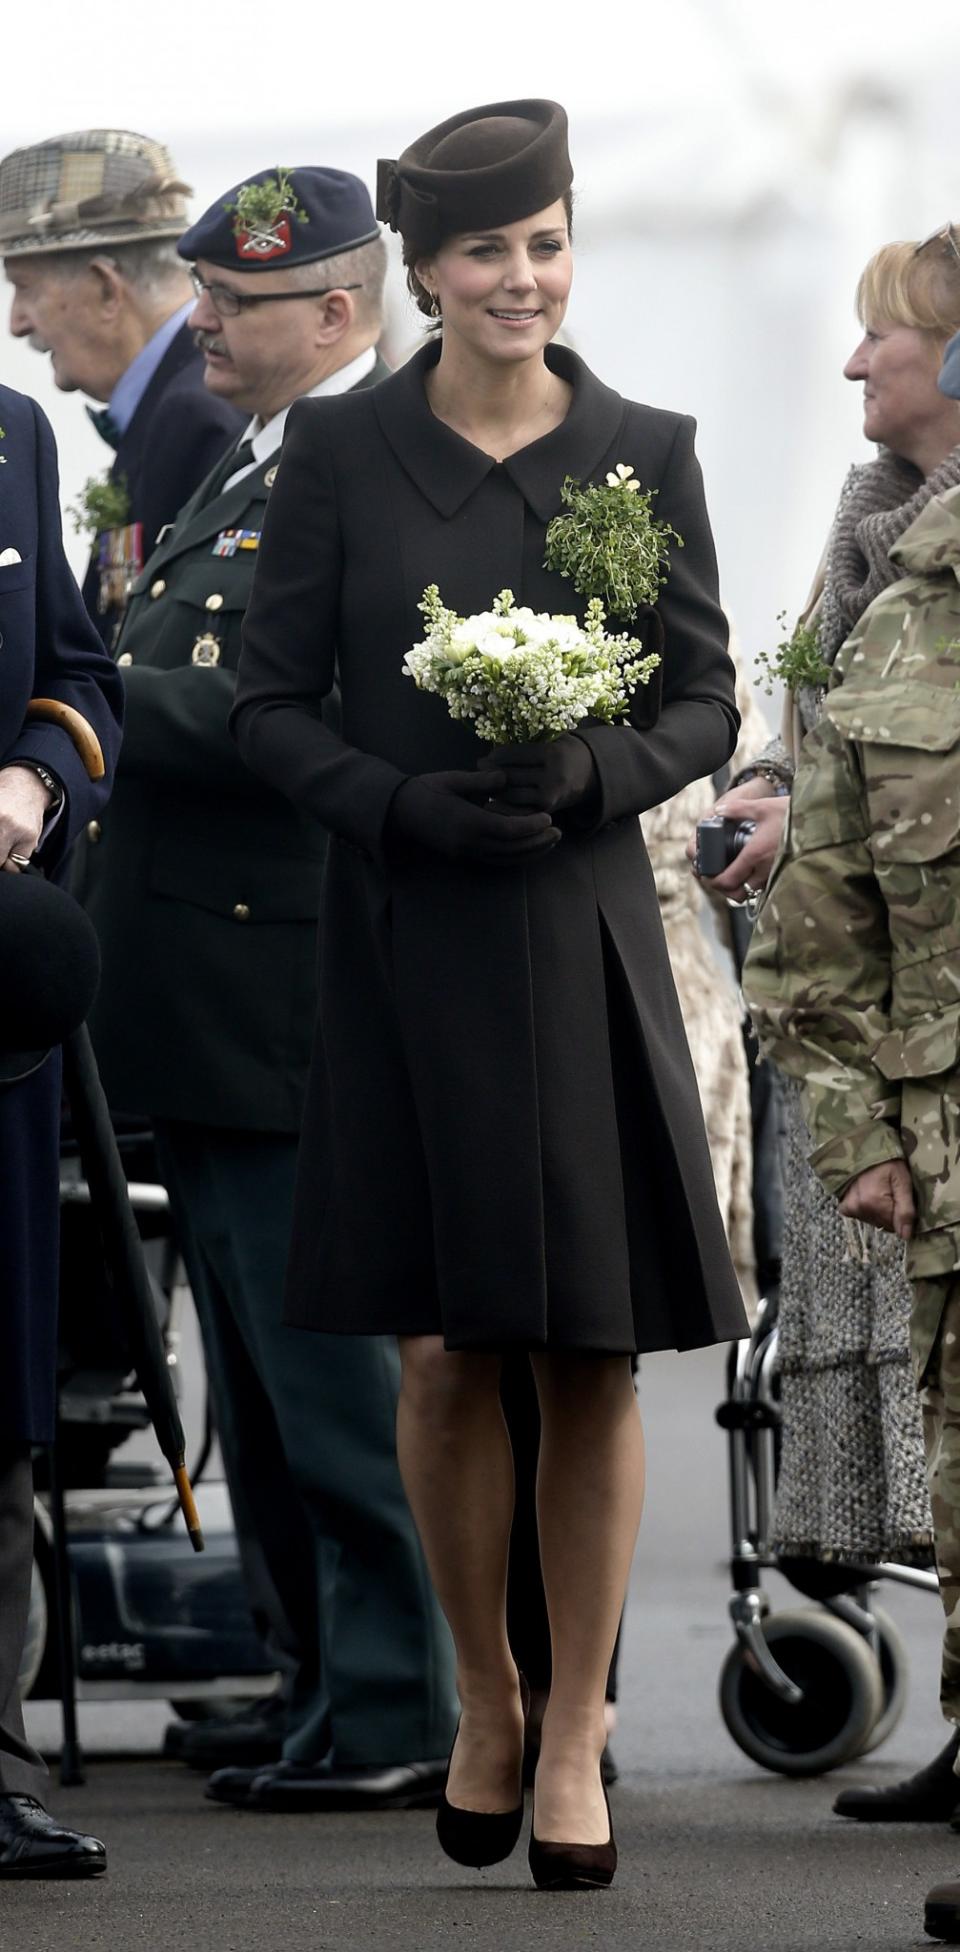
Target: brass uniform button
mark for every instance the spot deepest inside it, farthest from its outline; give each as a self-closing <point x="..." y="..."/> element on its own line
<point x="93" y="831"/>
<point x="126" y="657"/>
<point x="214" y="602"/>
<point x="241" y="912"/>
<point x="157" y="588"/>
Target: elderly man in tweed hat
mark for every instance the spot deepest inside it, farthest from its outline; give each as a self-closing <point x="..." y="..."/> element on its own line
<point x="88" y="229"/>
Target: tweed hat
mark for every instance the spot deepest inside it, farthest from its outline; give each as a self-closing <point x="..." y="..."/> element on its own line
<point x="49" y="970"/>
<point x="95" y="188"/>
<point x="283" y="217"/>
<point x="486" y="166"/>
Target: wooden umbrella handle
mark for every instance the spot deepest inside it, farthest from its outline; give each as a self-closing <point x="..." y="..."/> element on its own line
<point x="188" y="1506"/>
<point x="76" y="727"/>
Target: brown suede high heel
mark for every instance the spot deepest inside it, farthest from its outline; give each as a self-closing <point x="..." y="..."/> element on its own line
<point x="573" y="1867"/>
<point x="480" y="1837"/>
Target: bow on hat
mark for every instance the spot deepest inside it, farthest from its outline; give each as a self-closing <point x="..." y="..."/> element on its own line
<point x="406" y="208"/>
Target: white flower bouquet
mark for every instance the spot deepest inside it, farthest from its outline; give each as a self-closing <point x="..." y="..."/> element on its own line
<point x="521" y="675"/>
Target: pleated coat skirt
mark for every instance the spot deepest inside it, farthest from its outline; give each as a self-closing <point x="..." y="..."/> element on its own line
<point x="503" y="1141"/>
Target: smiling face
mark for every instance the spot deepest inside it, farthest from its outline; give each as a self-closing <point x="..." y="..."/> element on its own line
<point x="899" y="366"/>
<point x="503" y="293"/>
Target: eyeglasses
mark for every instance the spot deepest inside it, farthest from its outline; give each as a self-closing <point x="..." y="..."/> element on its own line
<point x="228" y="304"/>
<point x="946" y="234"/>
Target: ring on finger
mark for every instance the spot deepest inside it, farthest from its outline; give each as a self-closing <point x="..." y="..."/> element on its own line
<point x="19" y="860"/>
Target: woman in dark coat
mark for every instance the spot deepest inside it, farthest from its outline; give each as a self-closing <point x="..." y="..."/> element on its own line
<point x="503" y="1145"/>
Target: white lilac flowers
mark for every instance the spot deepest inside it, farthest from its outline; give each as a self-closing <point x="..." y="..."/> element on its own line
<point x="520" y="675"/>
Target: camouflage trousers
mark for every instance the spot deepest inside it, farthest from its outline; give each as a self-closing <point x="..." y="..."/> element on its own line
<point x="938" y="1366"/>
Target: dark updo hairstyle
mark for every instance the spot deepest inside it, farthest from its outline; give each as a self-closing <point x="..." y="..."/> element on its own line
<point x="478" y="170"/>
<point x="412" y="252"/>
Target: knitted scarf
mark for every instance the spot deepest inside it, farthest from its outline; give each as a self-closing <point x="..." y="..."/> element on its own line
<point x="877" y="505"/>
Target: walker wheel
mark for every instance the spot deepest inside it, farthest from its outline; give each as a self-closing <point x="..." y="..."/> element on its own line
<point x="893" y="1674"/>
<point x="843" y="1695"/>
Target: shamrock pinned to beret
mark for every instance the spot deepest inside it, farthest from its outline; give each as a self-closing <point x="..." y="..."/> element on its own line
<point x="262" y="213"/>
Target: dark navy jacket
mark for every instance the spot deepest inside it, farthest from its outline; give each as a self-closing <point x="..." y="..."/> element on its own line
<point x="177" y="434"/>
<point x="48" y="649"/>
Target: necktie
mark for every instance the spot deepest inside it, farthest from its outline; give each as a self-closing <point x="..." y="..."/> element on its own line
<point x="235" y="459"/>
<point x="103" y="420"/>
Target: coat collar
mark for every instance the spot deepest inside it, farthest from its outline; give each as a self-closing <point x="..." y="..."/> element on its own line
<point x="448" y="469"/>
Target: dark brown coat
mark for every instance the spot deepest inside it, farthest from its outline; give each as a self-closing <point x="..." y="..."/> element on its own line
<point x="503" y="1138"/>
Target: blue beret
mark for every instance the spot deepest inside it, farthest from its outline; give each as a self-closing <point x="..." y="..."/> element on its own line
<point x="281" y="217"/>
<point x="949" y="381"/>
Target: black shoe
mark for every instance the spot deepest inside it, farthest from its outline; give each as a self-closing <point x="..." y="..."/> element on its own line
<point x="298" y="1786"/>
<point x="232" y="1785"/>
<point x="479" y="1838"/>
<point x="931" y="1796"/>
<point x="252" y="1735"/>
<point x="574" y="1867"/>
<point x="941" y="1912"/>
<point x="33" y="1844"/>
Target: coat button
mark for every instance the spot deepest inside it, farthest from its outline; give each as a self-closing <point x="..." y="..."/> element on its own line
<point x="241" y="912"/>
<point x="214" y="602"/>
<point x="93" y="831"/>
<point x="157" y="588"/>
<point x="126" y="657"/>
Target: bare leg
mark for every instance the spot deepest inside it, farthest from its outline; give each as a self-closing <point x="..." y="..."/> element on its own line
<point x="589" y="1500"/>
<point x="457" y="1469"/>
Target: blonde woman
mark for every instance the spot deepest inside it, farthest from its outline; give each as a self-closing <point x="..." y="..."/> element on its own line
<point x="852" y="1482"/>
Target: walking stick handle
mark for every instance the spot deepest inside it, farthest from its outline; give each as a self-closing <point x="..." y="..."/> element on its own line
<point x="188" y="1506"/>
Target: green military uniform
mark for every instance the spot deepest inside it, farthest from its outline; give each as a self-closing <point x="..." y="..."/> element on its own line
<point x="204" y="883"/>
<point x="853" y="976"/>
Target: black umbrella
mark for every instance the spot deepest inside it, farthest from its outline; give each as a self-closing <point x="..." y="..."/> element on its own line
<point x="123" y="1251"/>
<point x="49" y="969"/>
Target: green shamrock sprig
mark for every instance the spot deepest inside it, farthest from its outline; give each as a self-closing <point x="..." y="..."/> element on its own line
<point x="101" y="504"/>
<point x="796" y="663"/>
<point x="258" y="207"/>
<point x="609" y="543"/>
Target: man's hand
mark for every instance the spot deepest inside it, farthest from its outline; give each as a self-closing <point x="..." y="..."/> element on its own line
<point x="750" y="871"/>
<point x="883" y="1197"/>
<point x="24" y="801"/>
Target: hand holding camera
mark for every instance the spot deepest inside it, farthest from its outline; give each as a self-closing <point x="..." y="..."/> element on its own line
<point x="735" y="847"/>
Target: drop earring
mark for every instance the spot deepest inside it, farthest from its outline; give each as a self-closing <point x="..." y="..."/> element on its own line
<point x="434" y="307"/>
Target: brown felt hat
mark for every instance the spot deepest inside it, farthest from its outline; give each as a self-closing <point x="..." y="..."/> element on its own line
<point x="484" y="167"/>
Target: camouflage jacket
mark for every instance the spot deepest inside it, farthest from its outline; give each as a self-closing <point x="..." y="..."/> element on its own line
<point x="853" y="976"/>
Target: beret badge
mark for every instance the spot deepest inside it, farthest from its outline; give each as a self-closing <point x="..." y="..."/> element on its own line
<point x="262" y="213"/>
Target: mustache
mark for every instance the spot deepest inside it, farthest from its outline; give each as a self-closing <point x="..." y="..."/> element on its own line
<point x="209" y="342"/>
<point x="36" y="343"/>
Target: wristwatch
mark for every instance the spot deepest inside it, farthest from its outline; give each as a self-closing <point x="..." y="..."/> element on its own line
<point x="771" y="774"/>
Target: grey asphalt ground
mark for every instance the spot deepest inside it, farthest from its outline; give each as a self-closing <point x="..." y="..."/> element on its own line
<point x="715" y="1853"/>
